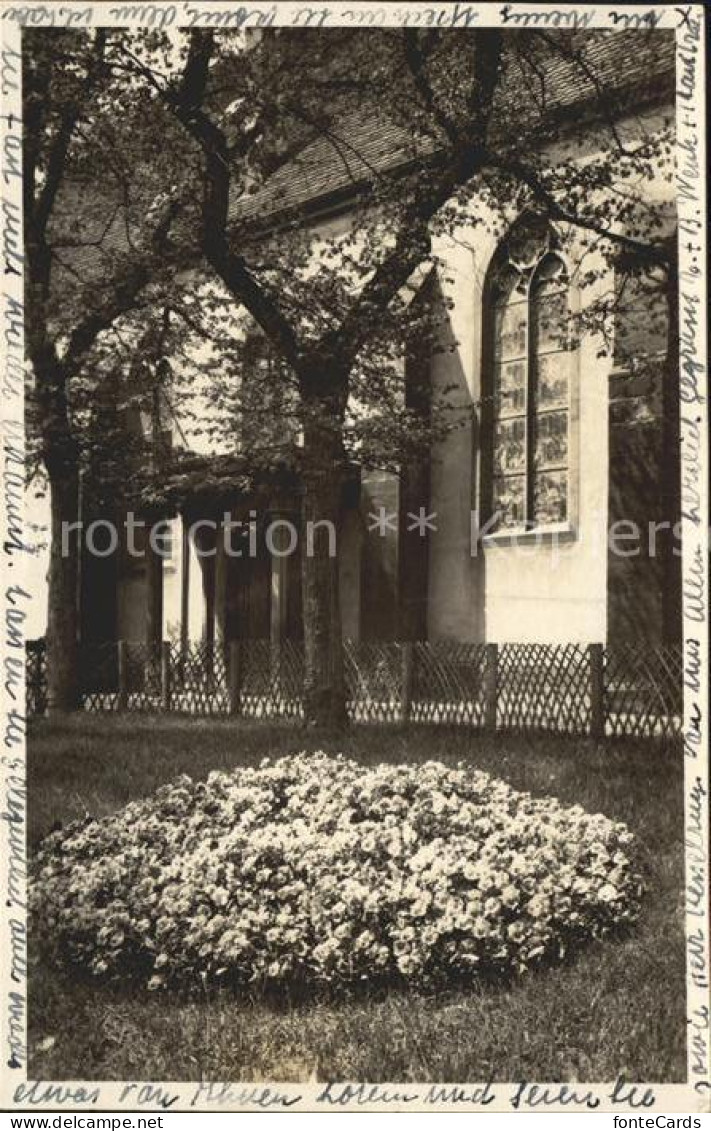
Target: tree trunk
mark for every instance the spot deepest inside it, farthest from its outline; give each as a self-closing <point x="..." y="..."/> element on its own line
<point x="63" y="612"/>
<point x="61" y="459"/>
<point x="322" y="479"/>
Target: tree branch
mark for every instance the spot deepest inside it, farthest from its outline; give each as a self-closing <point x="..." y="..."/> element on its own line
<point x="35" y="102"/>
<point x="558" y="45"/>
<point x="526" y="175"/>
<point x="124" y="293"/>
<point x="452" y="169"/>
<point x="417" y="47"/>
<point x="57" y="158"/>
<point x="187" y="103"/>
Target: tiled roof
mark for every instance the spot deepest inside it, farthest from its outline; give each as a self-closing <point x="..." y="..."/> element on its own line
<point x="622" y="64"/>
<point x="630" y="67"/>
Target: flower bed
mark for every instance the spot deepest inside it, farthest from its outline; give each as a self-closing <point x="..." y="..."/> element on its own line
<point x="315" y="869"/>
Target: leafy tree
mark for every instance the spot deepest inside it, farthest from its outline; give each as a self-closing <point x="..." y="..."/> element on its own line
<point x="480" y="130"/>
<point x="79" y="281"/>
<point x="468" y="138"/>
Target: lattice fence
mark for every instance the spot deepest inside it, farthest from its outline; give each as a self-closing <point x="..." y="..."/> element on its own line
<point x="616" y="690"/>
<point x="36" y="677"/>
<point x="643" y="690"/>
<point x="194" y="679"/>
<point x="272" y="680"/>
<point x="99" y="679"/>
<point x="373" y="675"/>
<point x="544" y="687"/>
<point x="449" y="683"/>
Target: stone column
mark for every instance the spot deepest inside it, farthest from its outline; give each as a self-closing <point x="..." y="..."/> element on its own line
<point x="281" y="541"/>
<point x="184" y="585"/>
<point x="221" y="562"/>
<point x="154" y="602"/>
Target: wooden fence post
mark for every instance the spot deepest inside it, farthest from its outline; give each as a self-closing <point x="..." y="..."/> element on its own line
<point x="122" y="675"/>
<point x="491" y="686"/>
<point x="165" y="675"/>
<point x="597" y="691"/>
<point x="235" y="678"/>
<point x="407" y="657"/>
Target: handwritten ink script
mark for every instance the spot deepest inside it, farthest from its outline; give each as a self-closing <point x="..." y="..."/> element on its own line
<point x="193" y="14"/>
<point x="13" y="817"/>
<point x="13" y="797"/>
<point x="16" y="598"/>
<point x="160" y="16"/>
<point x="521" y="1096"/>
<point x="378" y="15"/>
<point x="238" y="16"/>
<point x="694" y="492"/>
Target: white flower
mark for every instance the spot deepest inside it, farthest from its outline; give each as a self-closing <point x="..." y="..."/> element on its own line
<point x="312" y="865"/>
<point x="608" y="893"/>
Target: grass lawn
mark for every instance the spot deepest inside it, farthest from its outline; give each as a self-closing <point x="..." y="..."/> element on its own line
<point x="617" y="1007"/>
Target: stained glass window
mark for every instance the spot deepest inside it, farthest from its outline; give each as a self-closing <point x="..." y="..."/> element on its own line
<point x="530" y="379"/>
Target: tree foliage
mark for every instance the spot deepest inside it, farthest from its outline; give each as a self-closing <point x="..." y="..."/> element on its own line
<point x="188" y="166"/>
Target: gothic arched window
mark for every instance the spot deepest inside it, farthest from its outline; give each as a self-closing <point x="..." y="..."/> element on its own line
<point x="527" y="383"/>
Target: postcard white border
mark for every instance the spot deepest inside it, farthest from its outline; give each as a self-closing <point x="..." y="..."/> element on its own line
<point x="17" y="1093"/>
